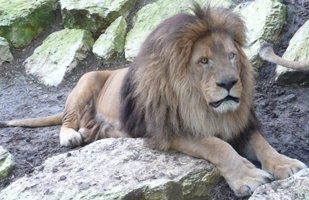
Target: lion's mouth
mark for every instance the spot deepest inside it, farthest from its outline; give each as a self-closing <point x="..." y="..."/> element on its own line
<point x="227" y="98"/>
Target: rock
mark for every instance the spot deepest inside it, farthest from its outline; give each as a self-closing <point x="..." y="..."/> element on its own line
<point x="112" y="41"/>
<point x="151" y="15"/>
<point x="5" y="54"/>
<point x="298" y="50"/>
<point x="117" y="169"/>
<point x="222" y="3"/>
<point x="239" y="1"/>
<point x="295" y="187"/>
<point x="94" y="16"/>
<point x="59" y="53"/>
<point x="7" y="163"/>
<point x="290" y="98"/>
<point x="264" y="20"/>
<point x="23" y="20"/>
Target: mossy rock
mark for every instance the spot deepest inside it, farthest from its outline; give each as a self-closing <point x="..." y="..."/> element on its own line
<point x="111" y="43"/>
<point x="23" y="20"/>
<point x="94" y="16"/>
<point x="7" y="163"/>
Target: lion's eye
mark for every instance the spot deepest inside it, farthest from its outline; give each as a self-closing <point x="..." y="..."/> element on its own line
<point x="231" y="56"/>
<point x="204" y="61"/>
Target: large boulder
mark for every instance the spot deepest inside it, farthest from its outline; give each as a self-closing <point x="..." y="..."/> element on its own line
<point x="59" y="53"/>
<point x="7" y="163"/>
<point x="111" y="43"/>
<point x="295" y="187"/>
<point x="264" y="20"/>
<point x="117" y="169"/>
<point x="298" y="50"/>
<point x="23" y="20"/>
<point x="94" y="16"/>
<point x="5" y="54"/>
<point x="221" y="3"/>
<point x="151" y="15"/>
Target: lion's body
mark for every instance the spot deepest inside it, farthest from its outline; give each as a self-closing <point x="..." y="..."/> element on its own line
<point x="191" y="89"/>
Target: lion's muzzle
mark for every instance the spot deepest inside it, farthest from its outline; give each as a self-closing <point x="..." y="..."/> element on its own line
<point x="227" y="84"/>
<point x="227" y="98"/>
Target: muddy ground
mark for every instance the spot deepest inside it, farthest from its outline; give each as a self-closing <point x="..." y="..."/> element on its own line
<point x="284" y="111"/>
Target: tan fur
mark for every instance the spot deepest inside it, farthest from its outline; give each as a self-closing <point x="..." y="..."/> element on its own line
<point x="267" y="53"/>
<point x="178" y="84"/>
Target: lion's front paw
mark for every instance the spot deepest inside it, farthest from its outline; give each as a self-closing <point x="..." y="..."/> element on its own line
<point x="282" y="167"/>
<point x="70" y="138"/>
<point x="245" y="179"/>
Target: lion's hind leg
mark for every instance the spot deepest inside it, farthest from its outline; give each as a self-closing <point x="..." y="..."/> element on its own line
<point x="94" y="126"/>
<point x="76" y="102"/>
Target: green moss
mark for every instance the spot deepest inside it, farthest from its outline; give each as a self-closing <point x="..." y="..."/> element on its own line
<point x="65" y="39"/>
<point x="7" y="163"/>
<point x="109" y="44"/>
<point x="23" y="20"/>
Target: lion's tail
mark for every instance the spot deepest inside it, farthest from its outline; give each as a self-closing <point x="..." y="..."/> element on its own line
<point x="34" y="122"/>
<point x="267" y="53"/>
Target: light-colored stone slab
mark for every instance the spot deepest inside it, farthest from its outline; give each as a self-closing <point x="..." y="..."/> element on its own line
<point x="5" y="53"/>
<point x="293" y="188"/>
<point x="111" y="43"/>
<point x="59" y="53"/>
<point x="93" y="15"/>
<point x="117" y="169"/>
<point x="7" y="163"/>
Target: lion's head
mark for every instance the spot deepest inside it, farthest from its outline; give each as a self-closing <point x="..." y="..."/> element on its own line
<point x="191" y="78"/>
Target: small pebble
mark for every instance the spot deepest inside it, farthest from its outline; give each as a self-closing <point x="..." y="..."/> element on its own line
<point x="62" y="178"/>
<point x="54" y="169"/>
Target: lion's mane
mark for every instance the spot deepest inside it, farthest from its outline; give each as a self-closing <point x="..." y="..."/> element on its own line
<point x="161" y="100"/>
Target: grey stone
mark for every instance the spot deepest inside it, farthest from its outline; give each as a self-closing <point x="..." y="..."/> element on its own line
<point x="117" y="169"/>
<point x="7" y="163"/>
<point x="93" y="15"/>
<point x="111" y="43"/>
<point x="5" y="54"/>
<point x="295" y="187"/>
<point x="23" y="20"/>
<point x="59" y="53"/>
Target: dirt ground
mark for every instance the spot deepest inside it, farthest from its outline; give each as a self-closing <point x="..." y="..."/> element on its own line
<point x="283" y="111"/>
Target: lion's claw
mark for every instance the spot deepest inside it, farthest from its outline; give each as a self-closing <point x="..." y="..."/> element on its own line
<point x="249" y="190"/>
<point x="268" y="180"/>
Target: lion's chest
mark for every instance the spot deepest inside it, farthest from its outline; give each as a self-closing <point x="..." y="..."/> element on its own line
<point x="214" y="125"/>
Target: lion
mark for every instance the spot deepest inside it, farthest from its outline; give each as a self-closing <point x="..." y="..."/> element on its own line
<point x="190" y="88"/>
<point x="267" y="53"/>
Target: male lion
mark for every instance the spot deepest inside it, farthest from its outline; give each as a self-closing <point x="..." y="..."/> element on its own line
<point x="190" y="88"/>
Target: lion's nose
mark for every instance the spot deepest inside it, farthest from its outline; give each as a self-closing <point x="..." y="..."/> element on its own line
<point x="227" y="83"/>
